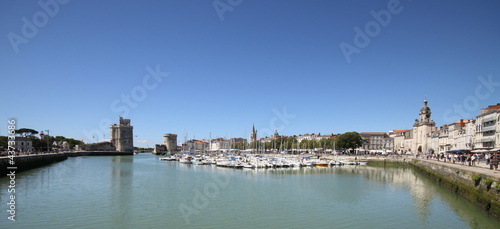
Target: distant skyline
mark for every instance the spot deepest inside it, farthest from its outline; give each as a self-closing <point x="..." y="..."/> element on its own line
<point x="209" y="69"/>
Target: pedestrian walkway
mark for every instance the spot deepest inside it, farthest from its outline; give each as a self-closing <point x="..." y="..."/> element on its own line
<point x="480" y="167"/>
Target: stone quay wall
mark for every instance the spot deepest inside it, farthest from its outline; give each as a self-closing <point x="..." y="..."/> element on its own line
<point x="479" y="186"/>
<point x="26" y="162"/>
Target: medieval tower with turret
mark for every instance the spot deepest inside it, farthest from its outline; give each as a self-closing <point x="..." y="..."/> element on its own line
<point x="122" y="136"/>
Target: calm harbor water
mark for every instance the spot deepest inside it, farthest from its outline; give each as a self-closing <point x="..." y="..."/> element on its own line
<point x="142" y="192"/>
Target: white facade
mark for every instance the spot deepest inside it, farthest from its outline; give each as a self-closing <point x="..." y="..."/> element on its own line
<point x="377" y="142"/>
<point x="220" y="145"/>
<point x="401" y="140"/>
<point x="23" y="144"/>
<point x="488" y="129"/>
<point x="480" y="133"/>
<point x="421" y="130"/>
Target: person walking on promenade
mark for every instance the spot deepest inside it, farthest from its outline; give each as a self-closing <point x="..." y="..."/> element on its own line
<point x="494" y="162"/>
<point x="473" y="159"/>
<point x="487" y="157"/>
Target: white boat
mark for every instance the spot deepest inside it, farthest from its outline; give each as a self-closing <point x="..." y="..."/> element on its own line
<point x="171" y="158"/>
<point x="335" y="163"/>
<point x="347" y="162"/>
<point x="248" y="166"/>
<point x="187" y="160"/>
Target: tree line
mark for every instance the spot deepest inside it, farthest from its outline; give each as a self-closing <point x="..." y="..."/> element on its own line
<point x="38" y="143"/>
<point x="343" y="142"/>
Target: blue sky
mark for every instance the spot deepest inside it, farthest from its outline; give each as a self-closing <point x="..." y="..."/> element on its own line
<point x="275" y="64"/>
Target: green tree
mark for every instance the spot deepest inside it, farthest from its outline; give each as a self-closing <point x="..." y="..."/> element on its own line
<point x="326" y="143"/>
<point x="291" y="143"/>
<point x="72" y="142"/>
<point x="3" y="141"/>
<point x="304" y="144"/>
<point x="26" y="132"/>
<point x="349" y="140"/>
<point x="37" y="143"/>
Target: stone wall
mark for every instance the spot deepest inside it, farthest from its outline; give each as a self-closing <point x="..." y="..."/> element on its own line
<point x="24" y="163"/>
<point x="482" y="190"/>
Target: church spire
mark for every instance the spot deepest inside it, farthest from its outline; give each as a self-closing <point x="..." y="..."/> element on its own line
<point x="253" y="135"/>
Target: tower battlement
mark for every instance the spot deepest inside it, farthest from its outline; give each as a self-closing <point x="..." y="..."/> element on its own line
<point x="122" y="136"/>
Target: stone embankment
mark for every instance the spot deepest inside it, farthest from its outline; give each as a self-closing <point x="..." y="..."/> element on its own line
<point x="478" y="183"/>
<point x="26" y="162"/>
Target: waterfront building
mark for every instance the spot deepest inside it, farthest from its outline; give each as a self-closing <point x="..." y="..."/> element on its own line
<point x="326" y="136"/>
<point x="377" y="142"/>
<point x="482" y="133"/>
<point x="433" y="142"/>
<point x="456" y="136"/>
<point x="309" y="137"/>
<point x="462" y="134"/>
<point x="160" y="149"/>
<point x="220" y="144"/>
<point x="198" y="145"/>
<point x="421" y="130"/>
<point x="23" y="144"/>
<point x="122" y="136"/>
<point x="122" y="139"/>
<point x="488" y="128"/>
<point x="401" y="140"/>
<point x="170" y="142"/>
<point x="63" y="145"/>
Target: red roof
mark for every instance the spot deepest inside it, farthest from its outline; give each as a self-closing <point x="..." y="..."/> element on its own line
<point x="372" y="133"/>
<point x="494" y="107"/>
<point x="399" y="131"/>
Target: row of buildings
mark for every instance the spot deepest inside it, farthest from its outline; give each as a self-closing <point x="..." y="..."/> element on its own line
<point x="25" y="144"/>
<point x="481" y="134"/>
<point x="219" y="144"/>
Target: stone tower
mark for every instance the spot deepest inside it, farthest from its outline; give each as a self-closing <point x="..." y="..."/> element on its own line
<point x="170" y="141"/>
<point x="122" y="136"/>
<point x="253" y="135"/>
<point x="422" y="128"/>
